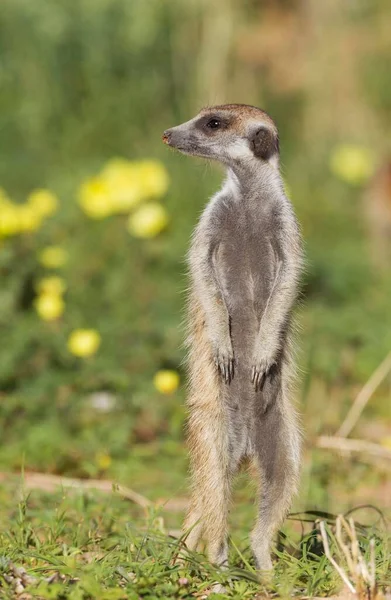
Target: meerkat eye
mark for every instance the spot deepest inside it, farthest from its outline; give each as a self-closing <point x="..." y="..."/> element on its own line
<point x="213" y="124"/>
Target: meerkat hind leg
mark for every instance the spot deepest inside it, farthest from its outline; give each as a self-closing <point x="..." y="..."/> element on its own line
<point x="192" y="527"/>
<point x="277" y="463"/>
<point x="212" y="475"/>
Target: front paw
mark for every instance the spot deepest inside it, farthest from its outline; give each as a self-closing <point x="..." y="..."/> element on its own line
<point x="225" y="361"/>
<point x="261" y="368"/>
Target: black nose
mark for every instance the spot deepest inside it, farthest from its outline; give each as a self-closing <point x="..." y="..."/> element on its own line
<point x="166" y="136"/>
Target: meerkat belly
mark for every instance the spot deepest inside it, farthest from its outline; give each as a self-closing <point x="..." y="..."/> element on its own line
<point x="246" y="269"/>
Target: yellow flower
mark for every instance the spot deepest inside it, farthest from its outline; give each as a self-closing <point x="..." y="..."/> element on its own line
<point x="94" y="198"/>
<point x="28" y="219"/>
<point x="166" y="381"/>
<point x="114" y="167"/>
<point x="122" y="185"/>
<point x="51" y="285"/>
<point x="103" y="460"/>
<point x="122" y="181"/>
<point x="153" y="178"/>
<point x="49" y="306"/>
<point x="148" y="220"/>
<point x="16" y="218"/>
<point x="43" y="202"/>
<point x="84" y="342"/>
<point x="352" y="164"/>
<point x="9" y="220"/>
<point x="53" y="257"/>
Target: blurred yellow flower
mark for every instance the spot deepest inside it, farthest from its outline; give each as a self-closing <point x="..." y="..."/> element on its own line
<point x="51" y="285"/>
<point x="166" y="381"/>
<point x="148" y="220"/>
<point x="352" y="164"/>
<point x="28" y="219"/>
<point x="115" y="167"/>
<point x="9" y="220"/>
<point x="153" y="178"/>
<point x="53" y="257"/>
<point x="16" y="218"/>
<point x="84" y="342"/>
<point x="103" y="460"/>
<point x="43" y="202"/>
<point x="94" y="198"/>
<point x="49" y="306"/>
<point x="123" y="184"/>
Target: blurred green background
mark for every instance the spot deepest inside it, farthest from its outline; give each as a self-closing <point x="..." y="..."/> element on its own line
<point x="90" y="85"/>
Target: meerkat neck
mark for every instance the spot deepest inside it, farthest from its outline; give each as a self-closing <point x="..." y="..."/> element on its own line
<point x="254" y="177"/>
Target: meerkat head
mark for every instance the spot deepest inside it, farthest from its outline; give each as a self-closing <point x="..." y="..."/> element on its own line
<point x="230" y="134"/>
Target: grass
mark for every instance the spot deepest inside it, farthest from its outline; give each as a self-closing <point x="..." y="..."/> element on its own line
<point x="81" y="546"/>
<point x="84" y="544"/>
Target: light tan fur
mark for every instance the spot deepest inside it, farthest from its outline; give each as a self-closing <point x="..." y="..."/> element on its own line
<point x="207" y="441"/>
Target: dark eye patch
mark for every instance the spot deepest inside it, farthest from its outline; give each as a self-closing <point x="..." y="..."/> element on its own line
<point x="211" y="123"/>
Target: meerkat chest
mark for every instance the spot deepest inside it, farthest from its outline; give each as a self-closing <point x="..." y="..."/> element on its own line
<point x="245" y="255"/>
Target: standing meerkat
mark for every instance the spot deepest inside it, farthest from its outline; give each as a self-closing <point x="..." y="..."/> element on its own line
<point x="245" y="262"/>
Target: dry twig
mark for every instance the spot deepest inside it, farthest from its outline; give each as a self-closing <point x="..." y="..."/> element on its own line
<point x="364" y="396"/>
<point x="342" y="444"/>
<point x="50" y="483"/>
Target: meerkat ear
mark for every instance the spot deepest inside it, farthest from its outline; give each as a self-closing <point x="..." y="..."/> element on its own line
<point x="264" y="143"/>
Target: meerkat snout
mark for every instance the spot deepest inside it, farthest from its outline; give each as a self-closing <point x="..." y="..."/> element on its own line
<point x="228" y="134"/>
<point x="166" y="137"/>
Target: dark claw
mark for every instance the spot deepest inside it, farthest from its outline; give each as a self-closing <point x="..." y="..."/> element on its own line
<point x="231" y="370"/>
<point x="259" y="375"/>
<point x="263" y="380"/>
<point x="225" y="367"/>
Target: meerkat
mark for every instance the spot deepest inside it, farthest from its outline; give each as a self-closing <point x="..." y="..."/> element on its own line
<point x="245" y="262"/>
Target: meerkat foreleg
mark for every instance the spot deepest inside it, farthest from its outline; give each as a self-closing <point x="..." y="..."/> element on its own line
<point x="217" y="318"/>
<point x="269" y="337"/>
